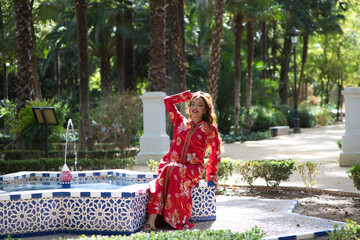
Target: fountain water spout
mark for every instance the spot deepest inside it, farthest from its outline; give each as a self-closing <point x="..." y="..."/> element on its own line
<point x="65" y="175"/>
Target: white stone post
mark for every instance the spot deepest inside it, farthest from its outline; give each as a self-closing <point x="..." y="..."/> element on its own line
<point x="154" y="143"/>
<point x="350" y="154"/>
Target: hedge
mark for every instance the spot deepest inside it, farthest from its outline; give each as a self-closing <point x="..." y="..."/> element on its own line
<point x="55" y="164"/>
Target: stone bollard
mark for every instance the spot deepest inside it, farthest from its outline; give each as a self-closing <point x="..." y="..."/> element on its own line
<point x="350" y="154"/>
<point x="155" y="142"/>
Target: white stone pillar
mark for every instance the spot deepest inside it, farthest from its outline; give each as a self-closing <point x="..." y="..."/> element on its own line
<point x="154" y="143"/>
<point x="350" y="154"/>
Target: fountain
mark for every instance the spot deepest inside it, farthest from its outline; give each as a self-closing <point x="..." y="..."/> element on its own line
<point x="84" y="210"/>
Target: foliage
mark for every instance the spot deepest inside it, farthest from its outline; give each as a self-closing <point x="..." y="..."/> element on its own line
<point x="351" y="230"/>
<point x="265" y="118"/>
<point x="339" y="143"/>
<point x="28" y="154"/>
<point x="120" y="116"/>
<point x="254" y="136"/>
<point x="7" y="111"/>
<point x="153" y="165"/>
<point x="226" y="168"/>
<point x="33" y="134"/>
<point x="306" y="118"/>
<point x="274" y="171"/>
<point x="250" y="171"/>
<point x="308" y="170"/>
<point x="55" y="164"/>
<point x="354" y="174"/>
<point x="253" y="234"/>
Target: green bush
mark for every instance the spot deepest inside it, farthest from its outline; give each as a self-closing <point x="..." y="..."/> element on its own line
<point x="254" y="234"/>
<point x="33" y="154"/>
<point x="250" y="171"/>
<point x="120" y="115"/>
<point x="355" y="175"/>
<point x="339" y="143"/>
<point x="55" y="164"/>
<point x="308" y="171"/>
<point x="264" y="118"/>
<point x="274" y="172"/>
<point x="351" y="230"/>
<point x="24" y="127"/>
<point x="226" y="168"/>
<point x="306" y="118"/>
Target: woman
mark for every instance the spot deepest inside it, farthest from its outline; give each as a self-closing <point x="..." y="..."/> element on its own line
<point x="182" y="167"/>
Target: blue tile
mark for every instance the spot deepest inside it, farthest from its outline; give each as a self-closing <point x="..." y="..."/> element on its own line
<point x="46" y="175"/>
<point x="36" y="195"/>
<point x="32" y="174"/>
<point x="57" y="194"/>
<point x="85" y="194"/>
<point x="96" y="174"/>
<point x="288" y="238"/>
<point x="110" y="173"/>
<point x="321" y="234"/>
<point x="66" y="194"/>
<point x="106" y="194"/>
<point x="1" y="179"/>
<point x="125" y="194"/>
<point x="15" y="197"/>
<point x="82" y="174"/>
<point x="141" y="176"/>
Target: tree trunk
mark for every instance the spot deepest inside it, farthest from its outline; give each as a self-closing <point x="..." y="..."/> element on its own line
<point x="105" y="75"/>
<point x="23" y="42"/>
<point x="250" y="60"/>
<point x="57" y="76"/>
<point x="119" y="54"/>
<point x="274" y="49"/>
<point x="35" y="79"/>
<point x="129" y="70"/>
<point x="284" y="72"/>
<point x="158" y="79"/>
<point x="303" y="60"/>
<point x="264" y="47"/>
<point x="212" y="84"/>
<point x="85" y="142"/>
<point x="239" y="28"/>
<point x="176" y="19"/>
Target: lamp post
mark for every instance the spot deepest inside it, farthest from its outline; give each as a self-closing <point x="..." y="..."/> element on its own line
<point x="294" y="37"/>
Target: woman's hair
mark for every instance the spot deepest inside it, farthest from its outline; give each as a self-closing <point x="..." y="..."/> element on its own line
<point x="209" y="116"/>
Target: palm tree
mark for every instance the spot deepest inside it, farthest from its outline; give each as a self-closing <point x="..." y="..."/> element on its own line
<point x="158" y="79"/>
<point x="129" y="61"/>
<point x="101" y="42"/>
<point x="212" y="84"/>
<point x="176" y="19"/>
<point x="250" y="60"/>
<point x="239" y="28"/>
<point x="85" y="138"/>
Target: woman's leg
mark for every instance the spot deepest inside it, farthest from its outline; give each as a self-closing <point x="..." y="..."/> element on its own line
<point x="151" y="221"/>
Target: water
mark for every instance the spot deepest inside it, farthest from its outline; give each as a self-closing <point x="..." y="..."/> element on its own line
<point x="37" y="185"/>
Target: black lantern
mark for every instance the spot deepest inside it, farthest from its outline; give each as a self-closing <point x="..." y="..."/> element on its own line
<point x="294" y="37"/>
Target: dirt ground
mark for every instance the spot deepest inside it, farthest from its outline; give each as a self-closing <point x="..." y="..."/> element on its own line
<point x="320" y="204"/>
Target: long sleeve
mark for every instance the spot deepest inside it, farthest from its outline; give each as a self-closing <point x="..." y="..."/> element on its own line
<point x="170" y="102"/>
<point x="214" y="158"/>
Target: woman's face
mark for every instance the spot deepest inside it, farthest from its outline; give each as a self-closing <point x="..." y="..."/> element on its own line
<point x="197" y="108"/>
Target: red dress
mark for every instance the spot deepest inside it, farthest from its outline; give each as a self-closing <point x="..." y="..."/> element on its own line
<point x="182" y="167"/>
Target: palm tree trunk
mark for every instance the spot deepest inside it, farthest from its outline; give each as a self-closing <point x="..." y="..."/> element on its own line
<point x="86" y="140"/>
<point x="284" y="72"/>
<point x="303" y="60"/>
<point x="105" y="75"/>
<point x="129" y="70"/>
<point x="239" y="28"/>
<point x="57" y="76"/>
<point x="212" y="84"/>
<point x="35" y="83"/>
<point x="119" y="54"/>
<point x="23" y="42"/>
<point x="158" y="79"/>
<point x="264" y="47"/>
<point x="250" y="59"/>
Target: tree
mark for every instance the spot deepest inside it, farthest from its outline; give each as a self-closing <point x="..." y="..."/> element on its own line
<point x="212" y="84"/>
<point x="250" y="60"/>
<point x="85" y="135"/>
<point x="238" y="28"/>
<point x="158" y="79"/>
